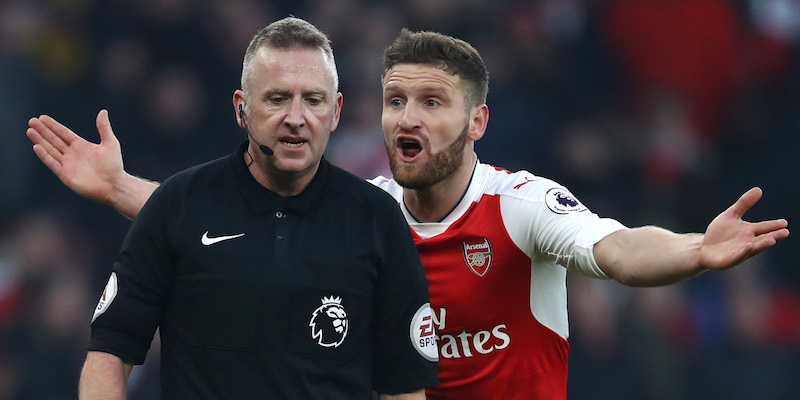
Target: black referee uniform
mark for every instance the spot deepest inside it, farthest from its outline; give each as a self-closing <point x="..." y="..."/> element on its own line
<point x="258" y="296"/>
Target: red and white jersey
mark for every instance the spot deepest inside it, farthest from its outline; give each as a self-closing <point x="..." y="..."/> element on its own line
<point x="496" y="268"/>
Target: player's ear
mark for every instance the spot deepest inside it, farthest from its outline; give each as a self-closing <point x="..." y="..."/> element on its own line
<point x="478" y="120"/>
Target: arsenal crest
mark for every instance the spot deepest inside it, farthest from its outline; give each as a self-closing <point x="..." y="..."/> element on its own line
<point x="478" y="255"/>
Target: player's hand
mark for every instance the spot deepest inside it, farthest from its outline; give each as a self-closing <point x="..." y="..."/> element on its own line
<point x="729" y="240"/>
<point x="89" y="169"/>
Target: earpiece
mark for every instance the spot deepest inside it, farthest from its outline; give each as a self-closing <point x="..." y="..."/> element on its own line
<point x="241" y="113"/>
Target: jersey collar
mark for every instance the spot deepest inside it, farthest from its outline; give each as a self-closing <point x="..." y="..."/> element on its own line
<point x="262" y="200"/>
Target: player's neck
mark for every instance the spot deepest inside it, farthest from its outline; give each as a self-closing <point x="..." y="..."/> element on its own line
<point x="434" y="203"/>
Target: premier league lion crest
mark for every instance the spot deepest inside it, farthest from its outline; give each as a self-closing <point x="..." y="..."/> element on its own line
<point x="329" y="322"/>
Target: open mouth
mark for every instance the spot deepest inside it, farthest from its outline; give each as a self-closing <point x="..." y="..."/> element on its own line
<point x="410" y="148"/>
<point x="292" y="142"/>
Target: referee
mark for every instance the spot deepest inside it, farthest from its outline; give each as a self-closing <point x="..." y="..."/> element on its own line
<point x="270" y="273"/>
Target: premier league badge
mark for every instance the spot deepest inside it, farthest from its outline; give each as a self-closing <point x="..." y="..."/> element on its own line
<point x="561" y="201"/>
<point x="329" y="322"/>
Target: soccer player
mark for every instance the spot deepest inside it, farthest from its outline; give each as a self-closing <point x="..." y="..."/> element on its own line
<point x="496" y="245"/>
<point x="231" y="260"/>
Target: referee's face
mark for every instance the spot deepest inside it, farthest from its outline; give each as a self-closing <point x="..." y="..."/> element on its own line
<point x="293" y="108"/>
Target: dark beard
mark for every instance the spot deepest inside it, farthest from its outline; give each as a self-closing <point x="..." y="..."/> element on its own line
<point x="440" y="165"/>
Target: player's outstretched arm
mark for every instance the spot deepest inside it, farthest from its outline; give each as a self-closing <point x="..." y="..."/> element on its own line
<point x="651" y="256"/>
<point x="94" y="171"/>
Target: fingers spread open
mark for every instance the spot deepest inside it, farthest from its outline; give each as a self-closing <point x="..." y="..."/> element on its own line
<point x="44" y="141"/>
<point x="47" y="159"/>
<point x="774" y="232"/>
<point x="59" y="135"/>
<point x="48" y="137"/>
<point x="760" y="228"/>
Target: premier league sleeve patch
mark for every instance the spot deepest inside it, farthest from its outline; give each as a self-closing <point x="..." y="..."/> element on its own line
<point x="423" y="337"/>
<point x="108" y="296"/>
<point x="561" y="201"/>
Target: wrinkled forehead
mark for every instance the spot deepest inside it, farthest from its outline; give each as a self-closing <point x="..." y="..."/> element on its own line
<point x="309" y="64"/>
<point x="418" y="76"/>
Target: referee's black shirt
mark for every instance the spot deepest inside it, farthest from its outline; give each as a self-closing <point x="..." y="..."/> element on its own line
<point x="258" y="296"/>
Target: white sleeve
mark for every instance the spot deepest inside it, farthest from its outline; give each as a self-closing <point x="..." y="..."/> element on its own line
<point x="563" y="232"/>
<point x="590" y="234"/>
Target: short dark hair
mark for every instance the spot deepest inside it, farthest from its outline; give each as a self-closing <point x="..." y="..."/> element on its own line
<point x="436" y="49"/>
<point x="288" y="33"/>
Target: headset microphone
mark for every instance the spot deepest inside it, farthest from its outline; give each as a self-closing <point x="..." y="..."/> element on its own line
<point x="264" y="149"/>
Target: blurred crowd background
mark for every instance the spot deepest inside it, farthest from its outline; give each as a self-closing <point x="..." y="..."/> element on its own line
<point x="651" y="111"/>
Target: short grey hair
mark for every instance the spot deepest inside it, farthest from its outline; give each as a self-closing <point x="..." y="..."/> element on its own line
<point x="287" y="34"/>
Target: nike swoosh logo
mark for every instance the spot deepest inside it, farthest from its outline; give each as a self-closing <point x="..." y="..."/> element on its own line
<point x="208" y="241"/>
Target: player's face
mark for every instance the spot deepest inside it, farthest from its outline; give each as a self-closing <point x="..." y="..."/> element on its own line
<point x="425" y="124"/>
<point x="293" y="106"/>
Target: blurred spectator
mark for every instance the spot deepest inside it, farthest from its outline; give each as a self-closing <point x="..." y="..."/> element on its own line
<point x="689" y="47"/>
<point x="358" y="146"/>
<point x="45" y="333"/>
